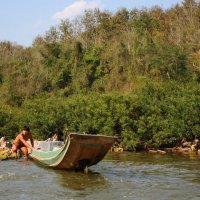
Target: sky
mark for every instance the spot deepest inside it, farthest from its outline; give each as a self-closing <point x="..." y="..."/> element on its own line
<point x="21" y="21"/>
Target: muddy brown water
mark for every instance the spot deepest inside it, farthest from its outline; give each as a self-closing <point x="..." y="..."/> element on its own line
<point x="128" y="176"/>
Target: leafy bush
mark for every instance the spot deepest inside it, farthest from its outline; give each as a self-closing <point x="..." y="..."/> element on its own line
<point x="157" y="115"/>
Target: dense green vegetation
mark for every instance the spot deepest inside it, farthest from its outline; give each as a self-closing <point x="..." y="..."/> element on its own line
<point x="134" y="73"/>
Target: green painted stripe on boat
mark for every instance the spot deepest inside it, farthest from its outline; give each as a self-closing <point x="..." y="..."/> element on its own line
<point x="91" y="145"/>
<point x="48" y="154"/>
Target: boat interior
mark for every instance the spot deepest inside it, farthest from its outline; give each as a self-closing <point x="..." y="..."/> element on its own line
<point x="49" y="145"/>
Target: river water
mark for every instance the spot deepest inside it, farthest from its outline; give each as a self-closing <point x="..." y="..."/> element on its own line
<point x="128" y="176"/>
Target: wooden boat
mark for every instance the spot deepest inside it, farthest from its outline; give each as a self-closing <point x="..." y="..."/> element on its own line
<point x="77" y="153"/>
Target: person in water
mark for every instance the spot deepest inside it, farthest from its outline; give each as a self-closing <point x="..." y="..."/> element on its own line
<point x="21" y="143"/>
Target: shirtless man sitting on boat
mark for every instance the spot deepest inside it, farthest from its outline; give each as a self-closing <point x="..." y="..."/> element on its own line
<point x="21" y="142"/>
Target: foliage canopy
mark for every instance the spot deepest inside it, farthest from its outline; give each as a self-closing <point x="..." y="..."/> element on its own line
<point x="134" y="73"/>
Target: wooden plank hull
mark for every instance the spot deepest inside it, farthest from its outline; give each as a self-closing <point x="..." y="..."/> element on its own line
<point x="79" y="151"/>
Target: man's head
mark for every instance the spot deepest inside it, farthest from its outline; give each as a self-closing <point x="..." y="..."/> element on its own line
<point x="25" y="130"/>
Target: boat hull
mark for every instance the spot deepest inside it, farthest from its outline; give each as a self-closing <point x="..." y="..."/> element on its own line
<point x="80" y="151"/>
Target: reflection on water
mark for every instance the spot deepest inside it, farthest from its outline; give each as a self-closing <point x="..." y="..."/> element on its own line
<point x="80" y="181"/>
<point x="120" y="176"/>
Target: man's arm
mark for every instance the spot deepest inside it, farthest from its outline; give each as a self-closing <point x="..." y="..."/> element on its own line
<point x="32" y="142"/>
<point x="24" y="142"/>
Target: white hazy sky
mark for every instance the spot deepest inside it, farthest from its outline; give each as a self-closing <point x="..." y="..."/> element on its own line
<point x="22" y="20"/>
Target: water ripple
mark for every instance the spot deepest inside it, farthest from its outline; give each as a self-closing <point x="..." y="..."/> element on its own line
<point x="129" y="176"/>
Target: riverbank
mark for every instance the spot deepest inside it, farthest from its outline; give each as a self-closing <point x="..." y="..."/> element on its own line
<point x="6" y="153"/>
<point x="178" y="150"/>
<point x="185" y="148"/>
